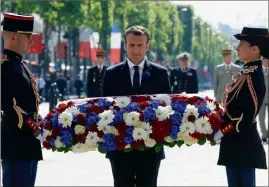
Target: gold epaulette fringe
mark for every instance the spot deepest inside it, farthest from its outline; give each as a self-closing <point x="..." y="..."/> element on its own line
<point x="19" y="112"/>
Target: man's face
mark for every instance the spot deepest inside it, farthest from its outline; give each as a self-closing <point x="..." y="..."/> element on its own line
<point x="136" y="47"/>
<point x="245" y="51"/>
<point x="183" y="63"/>
<point x="24" y="42"/>
<point x="265" y="62"/>
<point x="227" y="59"/>
<point x="100" y="60"/>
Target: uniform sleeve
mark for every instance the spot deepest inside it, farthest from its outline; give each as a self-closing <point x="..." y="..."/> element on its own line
<point x="215" y="81"/>
<point x="172" y="80"/>
<point x="89" y="83"/>
<point x="195" y="81"/>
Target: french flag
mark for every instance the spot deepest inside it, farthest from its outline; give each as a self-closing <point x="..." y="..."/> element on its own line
<point x="115" y="44"/>
<point x="84" y="44"/>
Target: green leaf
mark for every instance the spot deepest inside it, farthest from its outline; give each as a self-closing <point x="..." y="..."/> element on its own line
<point x="213" y="142"/>
<point x="127" y="150"/>
<point x="172" y="144"/>
<point x="140" y="148"/>
<point x="101" y="150"/>
<point x="158" y="148"/>
<point x="180" y="143"/>
<point x="202" y="141"/>
<point x="54" y="149"/>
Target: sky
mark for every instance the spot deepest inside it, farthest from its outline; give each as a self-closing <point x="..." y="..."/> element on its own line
<point x="235" y="13"/>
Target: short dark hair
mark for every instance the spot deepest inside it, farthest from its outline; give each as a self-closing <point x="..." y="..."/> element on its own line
<point x="138" y="31"/>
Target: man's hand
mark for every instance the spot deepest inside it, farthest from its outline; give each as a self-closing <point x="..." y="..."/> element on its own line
<point x="218" y="136"/>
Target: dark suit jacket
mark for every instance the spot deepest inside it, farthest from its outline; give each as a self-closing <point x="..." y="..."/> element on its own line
<point x="117" y="82"/>
<point x="244" y="148"/>
<point x="95" y="80"/>
<point x="184" y="81"/>
<point x="16" y="143"/>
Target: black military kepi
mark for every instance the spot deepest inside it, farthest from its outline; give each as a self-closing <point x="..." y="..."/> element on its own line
<point x="254" y="35"/>
<point x="22" y="24"/>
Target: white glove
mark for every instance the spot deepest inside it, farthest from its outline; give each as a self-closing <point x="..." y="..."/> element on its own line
<point x="218" y="136"/>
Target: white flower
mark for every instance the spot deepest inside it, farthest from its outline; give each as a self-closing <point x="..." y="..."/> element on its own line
<point x="65" y="118"/>
<point x="79" y="148"/>
<point x="92" y="138"/>
<point x="180" y="136"/>
<point x="163" y="113"/>
<point x="58" y="143"/>
<point x="187" y="128"/>
<point x="189" y="140"/>
<point x="203" y="126"/>
<point x="150" y="142"/>
<point x="106" y="117"/>
<point x="105" y="128"/>
<point x="132" y="118"/>
<point x="184" y="94"/>
<point x="79" y="129"/>
<point x="211" y="106"/>
<point x="147" y="127"/>
<point x="72" y="110"/>
<point x="139" y="134"/>
<point x="163" y="97"/>
<point x="190" y="110"/>
<point x="90" y="147"/>
<point x="127" y="146"/>
<point x="123" y="101"/>
<point x="168" y="139"/>
<point x="46" y="133"/>
<point x="109" y="99"/>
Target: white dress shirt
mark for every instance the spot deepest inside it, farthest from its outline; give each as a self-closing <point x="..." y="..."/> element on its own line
<point x="132" y="70"/>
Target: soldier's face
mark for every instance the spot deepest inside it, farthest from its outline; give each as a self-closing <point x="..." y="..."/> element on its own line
<point x="227" y="58"/>
<point x="183" y="63"/>
<point x="265" y="62"/>
<point x="136" y="47"/>
<point x="100" y="60"/>
<point x="24" y="41"/>
<point x="246" y="52"/>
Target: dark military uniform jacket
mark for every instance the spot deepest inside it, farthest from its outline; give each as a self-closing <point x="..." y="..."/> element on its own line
<point x="95" y="79"/>
<point x="184" y="81"/>
<point x="19" y="102"/>
<point x="242" y="146"/>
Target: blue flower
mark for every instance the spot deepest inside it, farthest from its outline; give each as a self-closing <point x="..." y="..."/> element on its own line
<point x="108" y="137"/>
<point x="52" y="143"/>
<point x="128" y="139"/>
<point x="149" y="114"/>
<point x="75" y="119"/>
<point x="173" y="135"/>
<point x="91" y="119"/>
<point x="202" y="109"/>
<point x="155" y="103"/>
<point x="107" y="146"/>
<point x="102" y="103"/>
<point x="118" y="116"/>
<point x="146" y="74"/>
<point x="174" y="129"/>
<point x="131" y="107"/>
<point x="129" y="130"/>
<point x="176" y="118"/>
<point x="54" y="120"/>
<point x="179" y="106"/>
<point x="84" y="108"/>
<point x="66" y="136"/>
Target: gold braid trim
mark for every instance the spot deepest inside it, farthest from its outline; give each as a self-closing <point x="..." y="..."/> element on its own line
<point x="19" y="112"/>
<point x="253" y="94"/>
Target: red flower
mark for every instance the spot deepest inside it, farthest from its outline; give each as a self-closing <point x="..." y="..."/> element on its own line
<point x="61" y="107"/>
<point x="138" y="99"/>
<point x="215" y="121"/>
<point x="121" y="127"/>
<point x="94" y="108"/>
<point x="81" y="119"/>
<point x="70" y="103"/>
<point x="48" y="138"/>
<point x="93" y="128"/>
<point x="197" y="135"/>
<point x="80" y="138"/>
<point x="100" y="134"/>
<point x="141" y="116"/>
<point x="47" y="126"/>
<point x="116" y="107"/>
<point x="160" y="129"/>
<point x="191" y="118"/>
<point x="208" y="99"/>
<point x="143" y="105"/>
<point x="163" y="104"/>
<point x="209" y="137"/>
<point x="138" y="143"/>
<point x="46" y="144"/>
<point x="119" y="141"/>
<point x="55" y="132"/>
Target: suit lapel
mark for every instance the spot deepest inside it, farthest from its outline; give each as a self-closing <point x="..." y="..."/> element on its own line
<point x="146" y="76"/>
<point x="127" y="84"/>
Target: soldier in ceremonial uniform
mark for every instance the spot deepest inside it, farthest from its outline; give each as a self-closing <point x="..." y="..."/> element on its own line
<point x="95" y="75"/>
<point x="20" y="148"/>
<point x="262" y="112"/>
<point x="241" y="149"/>
<point x="223" y="74"/>
<point x="183" y="78"/>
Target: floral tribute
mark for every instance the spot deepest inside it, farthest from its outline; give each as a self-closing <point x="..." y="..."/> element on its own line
<point x="131" y="122"/>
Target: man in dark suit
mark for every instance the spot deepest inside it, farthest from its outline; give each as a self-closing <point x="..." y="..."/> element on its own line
<point x="135" y="76"/>
<point x="95" y="75"/>
<point x="20" y="149"/>
<point x="183" y="78"/>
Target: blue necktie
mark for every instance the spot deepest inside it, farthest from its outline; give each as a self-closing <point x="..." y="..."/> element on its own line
<point x="136" y="77"/>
